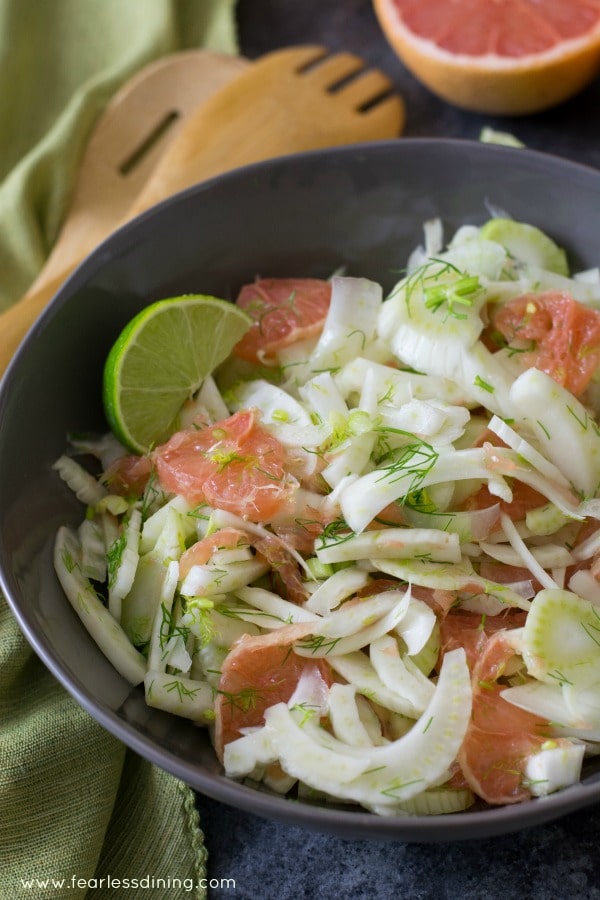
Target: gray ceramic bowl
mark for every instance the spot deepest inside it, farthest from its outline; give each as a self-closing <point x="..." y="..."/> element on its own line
<point x="361" y="207"/>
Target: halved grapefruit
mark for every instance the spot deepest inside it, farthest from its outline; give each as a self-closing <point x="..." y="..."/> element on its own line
<point x="505" y="57"/>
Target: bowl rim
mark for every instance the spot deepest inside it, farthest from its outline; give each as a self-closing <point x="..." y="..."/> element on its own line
<point x="91" y="262"/>
<point x="466" y="825"/>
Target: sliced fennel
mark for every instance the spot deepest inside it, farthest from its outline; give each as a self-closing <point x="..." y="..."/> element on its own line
<point x="566" y="432"/>
<point x="527" y="244"/>
<point x="416" y="626"/>
<point x="179" y="695"/>
<point x="436" y="801"/>
<point x="555" y="766"/>
<point x="123" y="558"/>
<point x="404" y="543"/>
<point x="358" y="669"/>
<point x="418" y="465"/>
<point x="408" y="441"/>
<point x="399" y="676"/>
<point x="94" y="564"/>
<point x="385" y="775"/>
<point x="85" y="487"/>
<point x="344" y="715"/>
<point x="339" y="586"/>
<point x="548" y="702"/>
<point x="561" y="639"/>
<point x="460" y="578"/>
<point x="96" y="618"/>
<point x="355" y="625"/>
<point x="206" y="581"/>
<point x="350" y="324"/>
<point x="397" y="386"/>
<point x="142" y="600"/>
<point x="272" y="603"/>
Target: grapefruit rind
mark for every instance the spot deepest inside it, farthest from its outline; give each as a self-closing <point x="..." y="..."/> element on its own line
<point x="491" y="83"/>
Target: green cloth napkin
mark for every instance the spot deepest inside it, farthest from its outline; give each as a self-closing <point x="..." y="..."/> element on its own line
<point x="60" y="62"/>
<point x="75" y="804"/>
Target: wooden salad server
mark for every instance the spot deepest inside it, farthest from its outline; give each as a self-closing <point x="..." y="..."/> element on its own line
<point x="295" y="99"/>
<point x="127" y="142"/>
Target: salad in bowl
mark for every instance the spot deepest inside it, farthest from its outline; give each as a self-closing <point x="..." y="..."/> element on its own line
<point x="365" y="552"/>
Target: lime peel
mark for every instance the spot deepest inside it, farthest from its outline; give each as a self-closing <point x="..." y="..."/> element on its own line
<point x="160" y="360"/>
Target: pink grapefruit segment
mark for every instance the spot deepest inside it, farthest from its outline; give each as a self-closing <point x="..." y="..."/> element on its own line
<point x="559" y="336"/>
<point x="285" y="310"/>
<point x="200" y="552"/>
<point x="234" y="465"/>
<point x="258" y="672"/>
<point x="501" y="737"/>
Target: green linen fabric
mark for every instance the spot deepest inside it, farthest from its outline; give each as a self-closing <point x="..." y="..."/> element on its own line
<point x="60" y="62"/>
<point x="80" y="815"/>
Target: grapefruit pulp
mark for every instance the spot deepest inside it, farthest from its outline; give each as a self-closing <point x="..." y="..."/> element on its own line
<point x="501" y="737"/>
<point x="235" y="465"/>
<point x="505" y="57"/>
<point x="561" y="337"/>
<point x="284" y="310"/>
<point x="258" y="672"/>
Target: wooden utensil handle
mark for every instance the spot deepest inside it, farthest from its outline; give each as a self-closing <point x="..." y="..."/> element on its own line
<point x="268" y="110"/>
<point x="129" y="138"/>
<point x="18" y="319"/>
<point x="190" y="159"/>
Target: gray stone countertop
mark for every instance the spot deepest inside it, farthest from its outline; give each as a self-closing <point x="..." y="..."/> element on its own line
<point x="271" y="861"/>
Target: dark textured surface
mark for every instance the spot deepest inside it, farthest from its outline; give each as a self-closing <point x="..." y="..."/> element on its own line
<point x="571" y="129"/>
<point x="270" y="861"/>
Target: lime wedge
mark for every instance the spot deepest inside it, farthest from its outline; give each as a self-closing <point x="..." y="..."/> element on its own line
<point x="160" y="360"/>
<point x="527" y="244"/>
